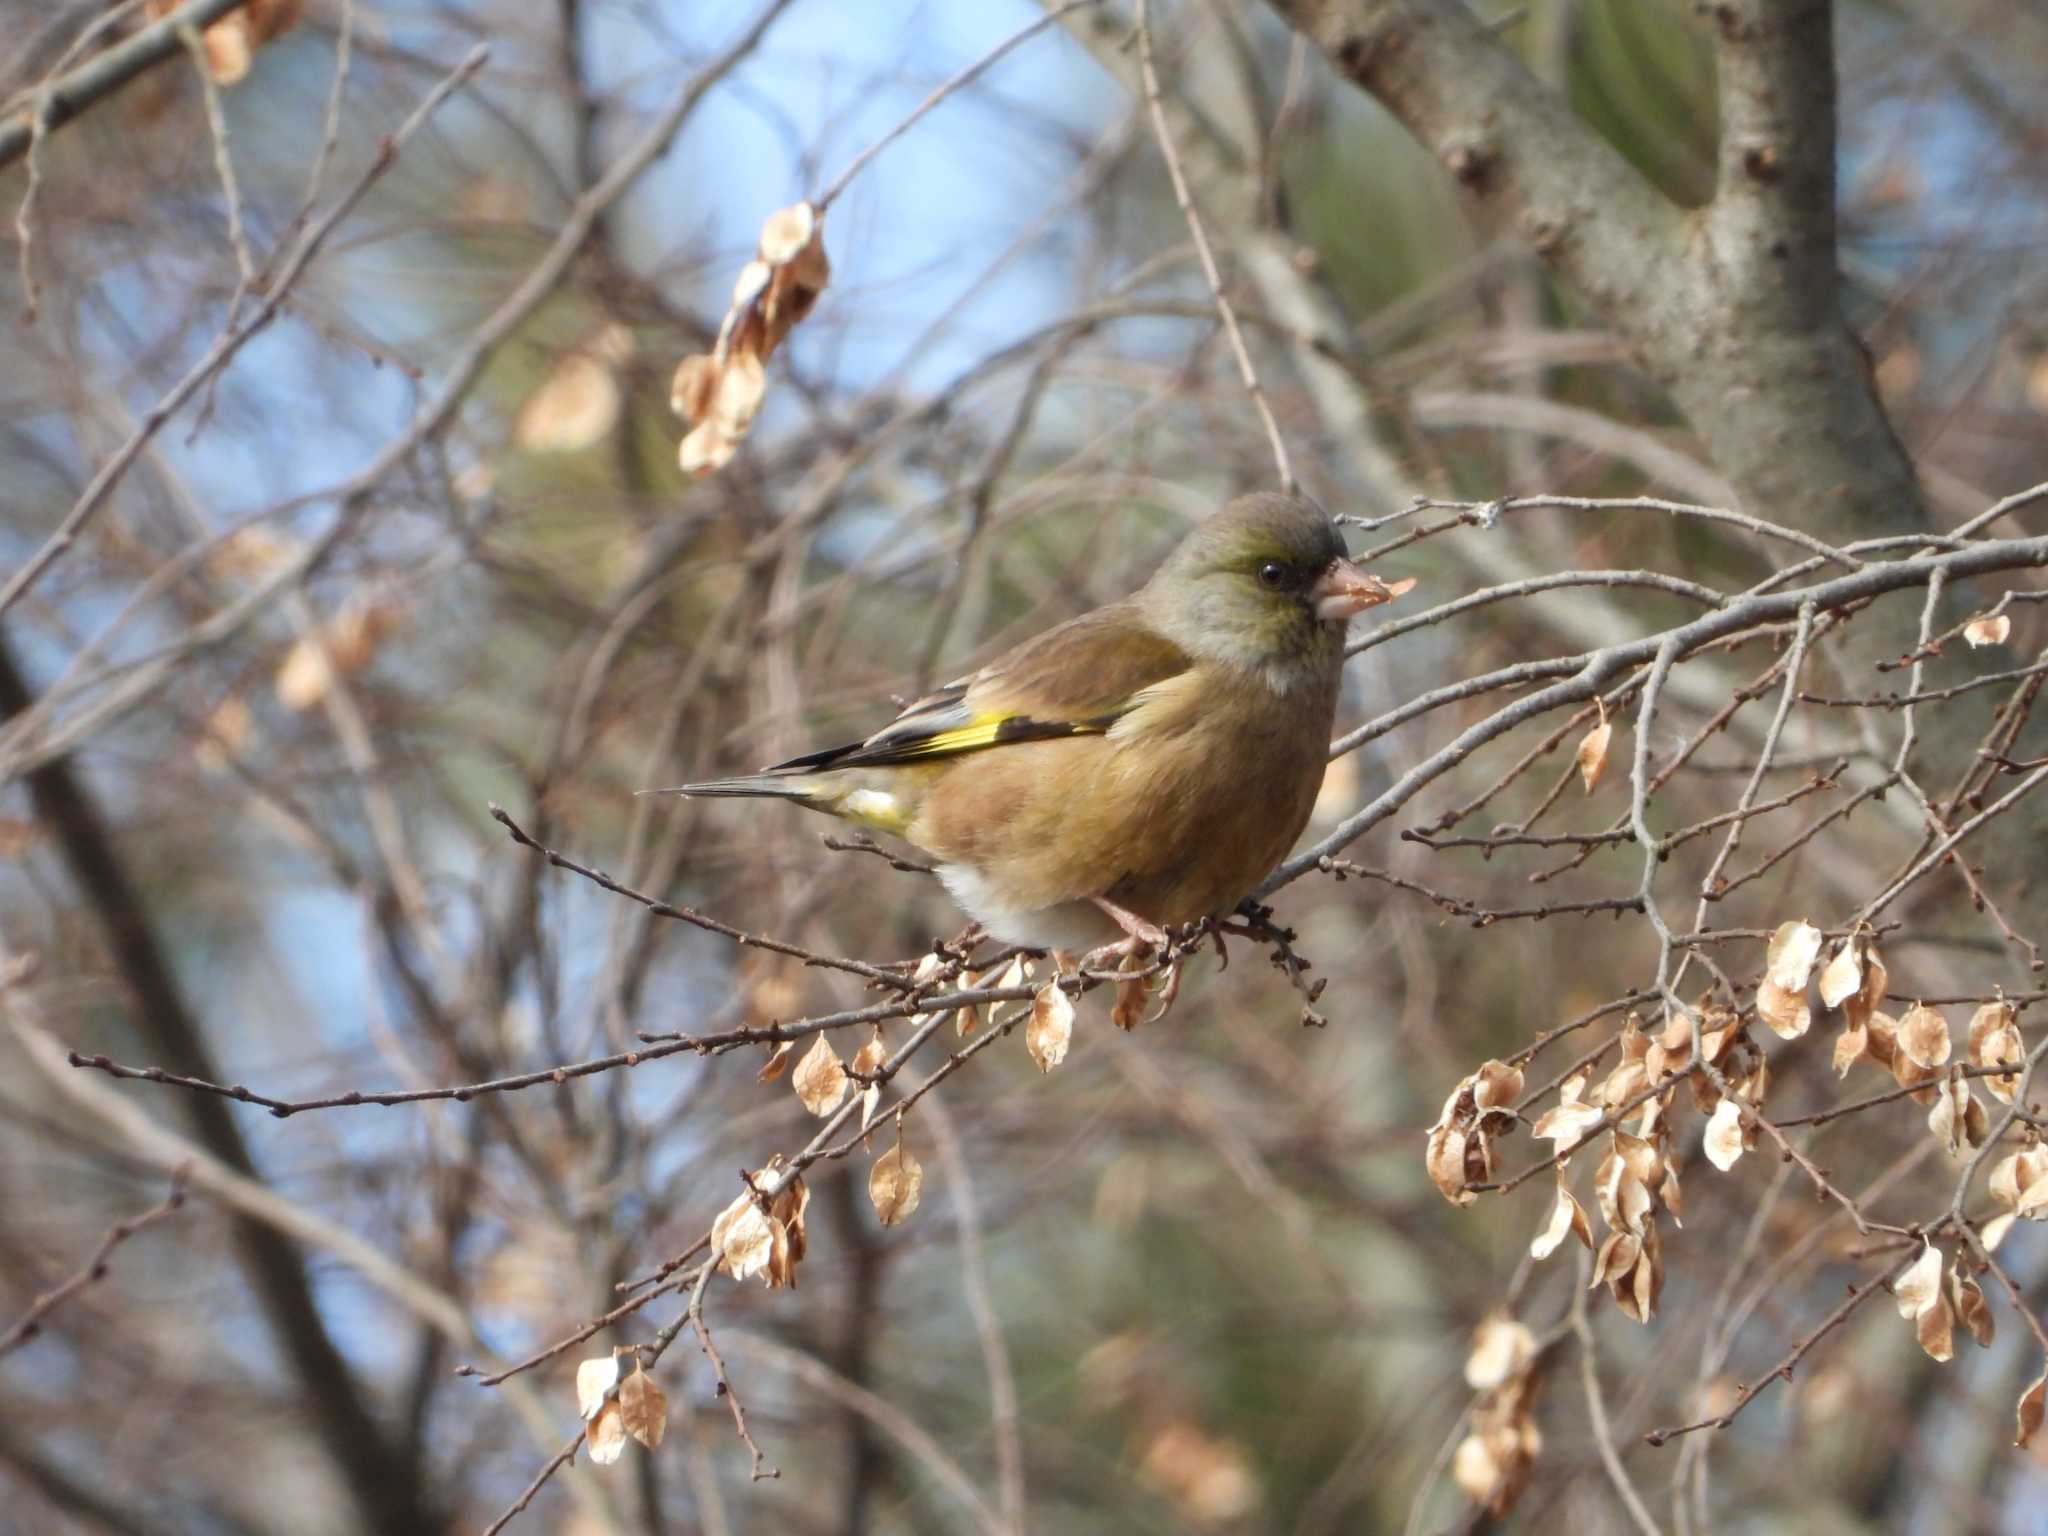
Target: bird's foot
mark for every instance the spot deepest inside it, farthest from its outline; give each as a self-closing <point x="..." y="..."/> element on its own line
<point x="1137" y="960"/>
<point x="1109" y="957"/>
<point x="1142" y="932"/>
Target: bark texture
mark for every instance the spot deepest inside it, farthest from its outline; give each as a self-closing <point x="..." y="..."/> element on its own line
<point x="1735" y="308"/>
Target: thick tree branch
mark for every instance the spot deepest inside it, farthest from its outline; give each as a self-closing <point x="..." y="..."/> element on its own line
<point x="1735" y="309"/>
<point x="1503" y="134"/>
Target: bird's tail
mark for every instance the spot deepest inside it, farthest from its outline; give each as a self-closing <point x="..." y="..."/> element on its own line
<point x="854" y="797"/>
<point x="773" y="786"/>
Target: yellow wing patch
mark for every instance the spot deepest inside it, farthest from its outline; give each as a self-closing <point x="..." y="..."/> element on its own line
<point x="983" y="732"/>
<point x="993" y="731"/>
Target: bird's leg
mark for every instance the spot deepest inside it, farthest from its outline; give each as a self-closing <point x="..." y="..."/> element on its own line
<point x="1148" y="935"/>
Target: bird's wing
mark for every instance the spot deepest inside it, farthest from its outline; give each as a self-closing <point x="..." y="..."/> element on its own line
<point x="1076" y="679"/>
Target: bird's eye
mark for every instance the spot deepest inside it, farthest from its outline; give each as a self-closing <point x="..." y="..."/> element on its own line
<point x="1272" y="575"/>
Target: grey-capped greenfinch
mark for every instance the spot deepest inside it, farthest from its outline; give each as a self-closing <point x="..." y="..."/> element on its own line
<point x="1138" y="767"/>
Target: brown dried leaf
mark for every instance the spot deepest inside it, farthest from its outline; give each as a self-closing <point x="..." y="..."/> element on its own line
<point x="1479" y="1156"/>
<point x="343" y="647"/>
<point x="1593" y="754"/>
<point x="741" y="1238"/>
<point x="575" y="406"/>
<point x="1952" y="1120"/>
<point x="2017" y="1175"/>
<point x="1617" y="1257"/>
<point x="1566" y="1216"/>
<point x="787" y="1210"/>
<point x="1649" y="1279"/>
<point x="1917" y="1290"/>
<point x="607" y="1435"/>
<point x="1501" y="1348"/>
<point x="251" y="554"/>
<point x="1724" y="1138"/>
<point x="1635" y="1045"/>
<point x="689" y="392"/>
<point x="867" y="1061"/>
<point x="1842" y="977"/>
<point x="1496" y="1085"/>
<point x="1936" y="1330"/>
<point x="1051" y="1028"/>
<point x="2028" y="1415"/>
<point x="1863" y="1004"/>
<point x="1639" y="1156"/>
<point x="1851" y="1046"/>
<point x="1923" y="1037"/>
<point x="1492" y="1464"/>
<point x="1988" y="631"/>
<point x="1633" y="1269"/>
<point x="721" y="393"/>
<point x="820" y="1078"/>
<point x="229" y="45"/>
<point x="1786" y="1012"/>
<point x="781" y="1267"/>
<point x="595" y="1379"/>
<point x="1626" y="1203"/>
<point x="1444" y="1160"/>
<point x="643" y="1409"/>
<point x="1622" y="1084"/>
<point x="1568" y="1125"/>
<point x="1474" y="1469"/>
<point x="1208" y="1479"/>
<point x="786" y="233"/>
<point x="793" y="244"/>
<point x="1910" y="1074"/>
<point x="777" y="1062"/>
<point x="1671" y="1194"/>
<point x="1972" y="1311"/>
<point x="895" y="1184"/>
<point x="1789" y="955"/>
<point x="2033" y="1204"/>
<point x="1995" y="1042"/>
<point x="1133" y="995"/>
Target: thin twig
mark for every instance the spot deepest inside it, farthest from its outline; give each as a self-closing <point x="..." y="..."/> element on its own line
<point x="1596" y="1407"/>
<point x="965" y="77"/>
<point x="30" y="1323"/>
<point x="233" y="339"/>
<point x="695" y="1315"/>
<point x="1157" y="110"/>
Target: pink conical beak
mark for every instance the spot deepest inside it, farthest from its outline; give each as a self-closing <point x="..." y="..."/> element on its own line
<point x="1344" y="590"/>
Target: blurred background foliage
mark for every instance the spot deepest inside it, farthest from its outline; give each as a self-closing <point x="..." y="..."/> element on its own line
<point x="1226" y="1293"/>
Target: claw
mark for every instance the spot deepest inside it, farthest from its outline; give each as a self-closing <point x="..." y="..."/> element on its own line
<point x="1169" y="993"/>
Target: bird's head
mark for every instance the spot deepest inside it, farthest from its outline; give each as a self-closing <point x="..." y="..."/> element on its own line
<point x="1264" y="583"/>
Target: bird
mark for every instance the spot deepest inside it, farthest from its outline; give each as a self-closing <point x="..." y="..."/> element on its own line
<point x="1135" y="769"/>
